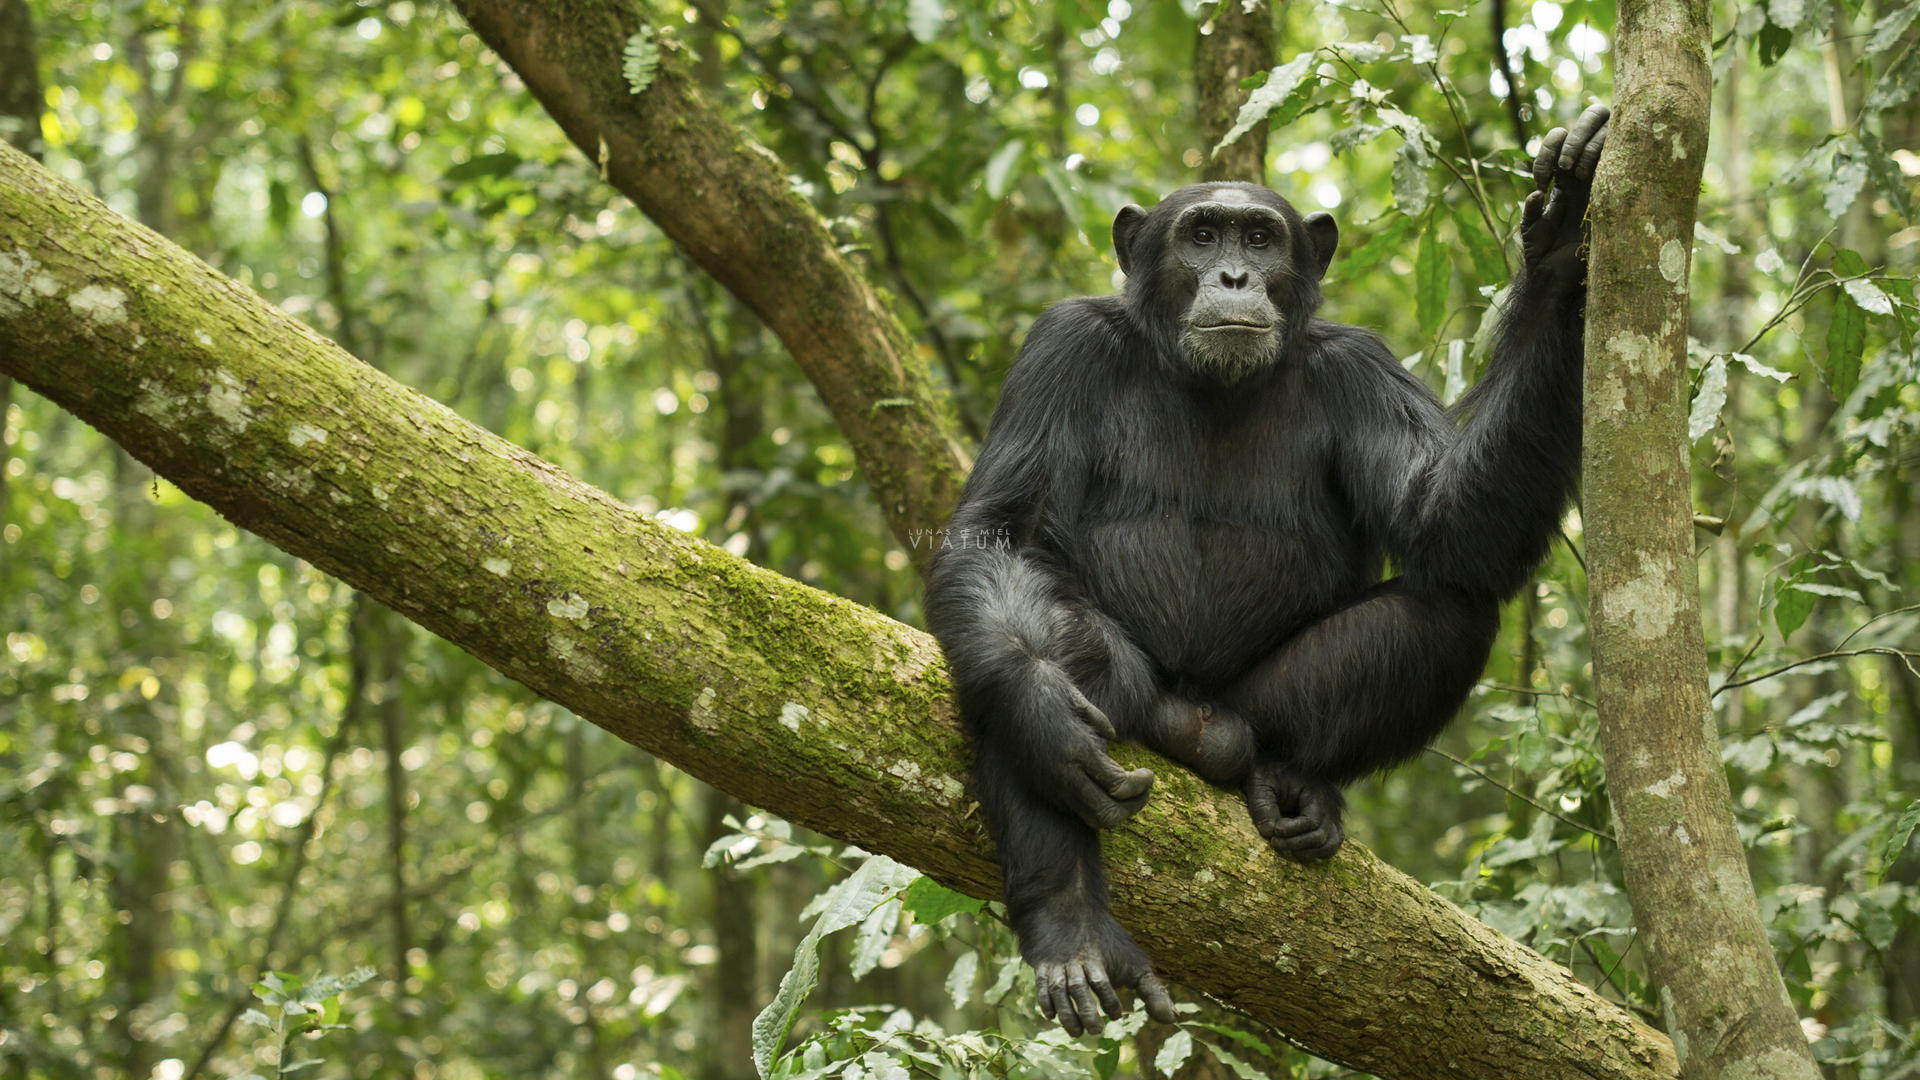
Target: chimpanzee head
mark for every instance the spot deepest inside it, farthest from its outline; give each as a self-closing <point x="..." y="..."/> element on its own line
<point x="1223" y="276"/>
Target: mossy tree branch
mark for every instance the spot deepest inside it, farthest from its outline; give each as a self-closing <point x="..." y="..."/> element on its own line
<point x="795" y="700"/>
<point x="727" y="203"/>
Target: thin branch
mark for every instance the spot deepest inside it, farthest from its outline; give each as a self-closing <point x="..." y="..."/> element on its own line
<point x="1513" y="689"/>
<point x="1906" y="658"/>
<point x="1875" y="619"/>
<point x="1523" y="797"/>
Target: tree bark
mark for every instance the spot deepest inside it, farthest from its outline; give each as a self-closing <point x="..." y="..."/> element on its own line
<point x="813" y="707"/>
<point x="1686" y="872"/>
<point x="1237" y="42"/>
<point x="727" y="203"/>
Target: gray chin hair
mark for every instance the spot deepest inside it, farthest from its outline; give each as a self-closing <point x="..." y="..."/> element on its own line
<point x="1230" y="355"/>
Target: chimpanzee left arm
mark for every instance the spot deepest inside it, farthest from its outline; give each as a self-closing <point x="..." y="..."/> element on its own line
<point x="1474" y="509"/>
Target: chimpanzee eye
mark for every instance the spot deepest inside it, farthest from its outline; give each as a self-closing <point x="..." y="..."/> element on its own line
<point x="1203" y="235"/>
<point x="1258" y="238"/>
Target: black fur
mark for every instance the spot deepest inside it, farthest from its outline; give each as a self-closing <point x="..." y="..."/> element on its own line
<point x="1152" y="550"/>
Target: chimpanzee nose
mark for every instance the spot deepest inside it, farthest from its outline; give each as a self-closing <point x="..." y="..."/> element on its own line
<point x="1232" y="280"/>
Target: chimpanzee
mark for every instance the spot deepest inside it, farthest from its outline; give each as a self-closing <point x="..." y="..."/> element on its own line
<point x="1176" y="530"/>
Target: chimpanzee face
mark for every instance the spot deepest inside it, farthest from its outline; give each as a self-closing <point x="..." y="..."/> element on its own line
<point x="1230" y="272"/>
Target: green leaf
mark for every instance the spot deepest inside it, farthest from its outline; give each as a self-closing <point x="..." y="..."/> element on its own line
<point x="1062" y="186"/>
<point x="1846" y="340"/>
<point x="1384" y="244"/>
<point x="1000" y="167"/>
<point x="643" y="59"/>
<point x="1887" y="177"/>
<point x="1849" y="263"/>
<point x="1896" y="84"/>
<point x="255" y="1016"/>
<point x="1773" y="42"/>
<point x="961" y="979"/>
<point x="1432" y="274"/>
<point x="1887" y="32"/>
<point x="931" y="902"/>
<point x="1791" y="606"/>
<point x="1108" y="1059"/>
<point x="878" y="880"/>
<point x="1174" y="1052"/>
<point x="872" y="940"/>
<point x="1281" y="85"/>
<point x="1848" y="179"/>
<point x="1488" y="267"/>
<point x="1898" y="838"/>
<point x="485" y="165"/>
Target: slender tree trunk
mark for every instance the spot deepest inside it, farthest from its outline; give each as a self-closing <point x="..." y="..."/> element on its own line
<point x="393" y="736"/>
<point x="1497" y="11"/>
<point x="1686" y="871"/>
<point x="1237" y="42"/>
<point x="826" y="713"/>
<point x="735" y="999"/>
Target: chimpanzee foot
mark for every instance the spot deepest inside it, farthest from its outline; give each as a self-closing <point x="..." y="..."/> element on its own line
<point x="1211" y="741"/>
<point x="1082" y="961"/>
<point x="1299" y="815"/>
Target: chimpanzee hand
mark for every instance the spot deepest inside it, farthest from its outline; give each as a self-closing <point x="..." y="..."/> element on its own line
<point x="1553" y="229"/>
<point x="1072" y="754"/>
<point x="1297" y="814"/>
<point x="1080" y="955"/>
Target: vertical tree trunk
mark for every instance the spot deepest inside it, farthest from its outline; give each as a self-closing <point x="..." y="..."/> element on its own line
<point x="1686" y="872"/>
<point x="735" y="1002"/>
<point x="1503" y="63"/>
<point x="1235" y="43"/>
<point x="392" y="666"/>
<point x="19" y="125"/>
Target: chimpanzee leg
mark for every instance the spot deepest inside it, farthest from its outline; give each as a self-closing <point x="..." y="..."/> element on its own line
<point x="1056" y="894"/>
<point x="1363" y="689"/>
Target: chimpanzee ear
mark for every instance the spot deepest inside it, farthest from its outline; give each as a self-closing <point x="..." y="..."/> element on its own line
<point x="1126" y="226"/>
<point x="1322" y="236"/>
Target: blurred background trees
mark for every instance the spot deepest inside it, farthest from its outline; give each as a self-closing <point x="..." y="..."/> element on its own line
<point x="215" y="761"/>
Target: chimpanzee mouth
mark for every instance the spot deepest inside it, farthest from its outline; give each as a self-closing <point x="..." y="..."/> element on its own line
<point x="1261" y="327"/>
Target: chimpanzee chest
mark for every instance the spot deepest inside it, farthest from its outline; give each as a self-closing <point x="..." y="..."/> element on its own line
<point x="1216" y="538"/>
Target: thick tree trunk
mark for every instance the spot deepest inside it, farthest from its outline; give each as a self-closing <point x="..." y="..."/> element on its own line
<point x="813" y="707"/>
<point x="1237" y="41"/>
<point x="727" y="202"/>
<point x="1686" y="871"/>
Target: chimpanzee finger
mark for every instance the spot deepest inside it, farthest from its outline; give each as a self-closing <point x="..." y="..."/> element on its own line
<point x="1043" y="989"/>
<point x="1090" y="713"/>
<point x="1159" y="1005"/>
<point x="1548" y="157"/>
<point x="1590" y="157"/>
<point x="1094" y="806"/>
<point x="1086" y="1009"/>
<point x="1315" y="846"/>
<point x="1290" y="828"/>
<point x="1103" y="989"/>
<point x="1263" y="805"/>
<point x="1119" y="783"/>
<point x="1583" y="131"/>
